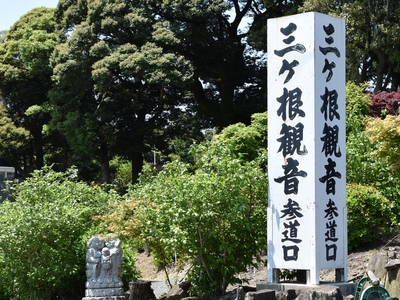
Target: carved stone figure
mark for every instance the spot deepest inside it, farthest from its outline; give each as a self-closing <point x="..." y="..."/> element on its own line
<point x="103" y="269"/>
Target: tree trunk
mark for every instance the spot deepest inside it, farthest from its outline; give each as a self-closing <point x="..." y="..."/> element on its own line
<point x="137" y="165"/>
<point x="141" y="290"/>
<point x="105" y="163"/>
<point x="380" y="71"/>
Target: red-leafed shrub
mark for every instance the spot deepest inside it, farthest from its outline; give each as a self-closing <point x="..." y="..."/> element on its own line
<point x="385" y="103"/>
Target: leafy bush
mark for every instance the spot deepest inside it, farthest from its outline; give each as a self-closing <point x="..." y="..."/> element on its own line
<point x="386" y="135"/>
<point x="357" y="106"/>
<point x="370" y="214"/>
<point x="213" y="218"/>
<point x="44" y="234"/>
<point x="362" y="166"/>
<point x="121" y="174"/>
<point x="246" y="142"/>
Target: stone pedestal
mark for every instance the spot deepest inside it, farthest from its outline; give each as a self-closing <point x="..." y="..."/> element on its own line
<point x="110" y="292"/>
<point x="332" y="289"/>
<point x="105" y="298"/>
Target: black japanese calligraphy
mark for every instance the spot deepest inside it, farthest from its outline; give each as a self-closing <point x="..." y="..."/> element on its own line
<point x="290" y="103"/>
<point x="330" y="234"/>
<point x="288" y="29"/>
<point x="329" y="178"/>
<point x="331" y="251"/>
<point x="331" y="141"/>
<point x="291" y="210"/>
<point x="286" y="66"/>
<point x="330" y="106"/>
<point x="291" y="233"/>
<point x="290" y="252"/>
<point x="326" y="50"/>
<point x="291" y="183"/>
<point x="328" y="67"/>
<point x="291" y="140"/>
<point x="331" y="211"/>
<point x="297" y="47"/>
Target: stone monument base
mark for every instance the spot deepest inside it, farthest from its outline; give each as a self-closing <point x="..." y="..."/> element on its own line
<point x="110" y="292"/>
<point x="105" y="298"/>
<point x="346" y="288"/>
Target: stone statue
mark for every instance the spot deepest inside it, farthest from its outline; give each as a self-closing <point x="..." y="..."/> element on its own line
<point x="103" y="268"/>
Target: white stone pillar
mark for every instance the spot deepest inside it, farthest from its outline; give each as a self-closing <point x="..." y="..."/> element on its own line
<point x="307" y="218"/>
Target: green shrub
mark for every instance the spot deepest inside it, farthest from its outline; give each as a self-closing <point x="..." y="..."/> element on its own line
<point x="213" y="217"/>
<point x="44" y="234"/>
<point x="121" y="174"/>
<point x="246" y="142"/>
<point x="129" y="270"/>
<point x="370" y="215"/>
<point x="357" y="106"/>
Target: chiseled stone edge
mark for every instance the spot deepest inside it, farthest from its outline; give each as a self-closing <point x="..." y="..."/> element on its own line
<point x="104" y="292"/>
<point x="105" y="298"/>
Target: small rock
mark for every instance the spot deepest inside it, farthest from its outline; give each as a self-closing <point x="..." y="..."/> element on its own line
<point x="393" y="264"/>
<point x="178" y="292"/>
<point x="239" y="293"/>
<point x="392" y="255"/>
<point x="261" y="295"/>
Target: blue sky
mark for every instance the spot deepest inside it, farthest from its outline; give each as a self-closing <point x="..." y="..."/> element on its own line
<point x="12" y="10"/>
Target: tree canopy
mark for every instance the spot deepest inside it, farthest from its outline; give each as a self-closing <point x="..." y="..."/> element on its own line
<point x="128" y="85"/>
<point x="25" y="81"/>
<point x="93" y="80"/>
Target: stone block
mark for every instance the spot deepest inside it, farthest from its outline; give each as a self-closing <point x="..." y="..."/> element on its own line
<point x="178" y="292"/>
<point x="260" y="295"/>
<point x="141" y="290"/>
<point x="105" y="298"/>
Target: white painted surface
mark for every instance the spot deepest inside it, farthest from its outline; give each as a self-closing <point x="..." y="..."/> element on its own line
<point x="312" y="238"/>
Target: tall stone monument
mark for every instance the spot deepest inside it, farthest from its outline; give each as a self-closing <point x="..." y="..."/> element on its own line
<point x="307" y="221"/>
<point x="103" y="269"/>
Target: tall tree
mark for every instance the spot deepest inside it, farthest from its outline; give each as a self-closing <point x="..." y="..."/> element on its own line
<point x="136" y="66"/>
<point x="211" y="36"/>
<point x="113" y="82"/>
<point x="25" y="77"/>
<point x="2" y="36"/>
<point x="13" y="140"/>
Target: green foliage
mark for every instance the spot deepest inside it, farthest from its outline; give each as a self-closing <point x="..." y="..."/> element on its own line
<point x="246" y="142"/>
<point x="357" y="106"/>
<point x="323" y="6"/>
<point x="28" y="45"/>
<point x="13" y="138"/>
<point x="25" y="79"/>
<point x="370" y="214"/>
<point x="366" y="164"/>
<point x="2" y="36"/>
<point x="44" y="233"/>
<point x="121" y="174"/>
<point x="386" y="134"/>
<point x="372" y="52"/>
<point x="129" y="271"/>
<point x="114" y="82"/>
<point x="214" y="217"/>
<point x="363" y="165"/>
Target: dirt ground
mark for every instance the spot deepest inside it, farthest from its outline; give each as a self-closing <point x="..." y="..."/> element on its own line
<point x="357" y="267"/>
